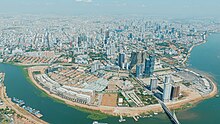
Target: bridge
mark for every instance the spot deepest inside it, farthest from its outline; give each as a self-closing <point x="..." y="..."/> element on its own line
<point x="171" y="115"/>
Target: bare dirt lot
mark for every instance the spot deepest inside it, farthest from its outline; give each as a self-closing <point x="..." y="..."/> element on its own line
<point x="109" y="100"/>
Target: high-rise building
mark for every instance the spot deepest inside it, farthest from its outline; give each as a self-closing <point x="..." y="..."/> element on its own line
<point x="121" y="60"/>
<point x="133" y="59"/>
<point x="143" y="56"/>
<point x="153" y="84"/>
<point x="107" y="34"/>
<point x="175" y="92"/>
<point x="149" y="65"/>
<point x="167" y="89"/>
<point x="137" y="58"/>
<point x="95" y="66"/>
<point x="139" y="68"/>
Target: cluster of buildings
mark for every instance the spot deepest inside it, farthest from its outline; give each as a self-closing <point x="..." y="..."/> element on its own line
<point x="76" y="94"/>
<point x="104" y="55"/>
<point x="170" y="90"/>
<point x="72" y="82"/>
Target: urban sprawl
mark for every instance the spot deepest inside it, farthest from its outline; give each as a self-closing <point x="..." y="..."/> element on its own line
<point x="108" y="61"/>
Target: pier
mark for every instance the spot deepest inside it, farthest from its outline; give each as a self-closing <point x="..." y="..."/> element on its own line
<point x="171" y="115"/>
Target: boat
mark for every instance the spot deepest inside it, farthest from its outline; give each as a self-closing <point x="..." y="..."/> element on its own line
<point x="21" y="103"/>
<point x="217" y="96"/>
<point x="18" y="101"/>
<point x="121" y="119"/>
<point x="155" y="113"/>
<point x="96" y="122"/>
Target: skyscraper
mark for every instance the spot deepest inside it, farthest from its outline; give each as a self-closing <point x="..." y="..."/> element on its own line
<point x="167" y="89"/>
<point x="137" y="58"/>
<point x="133" y="59"/>
<point x="153" y="84"/>
<point x="175" y="92"/>
<point x="95" y="66"/>
<point x="149" y="65"/>
<point x="139" y="68"/>
<point x="121" y="60"/>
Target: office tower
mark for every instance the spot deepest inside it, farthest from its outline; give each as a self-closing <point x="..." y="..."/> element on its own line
<point x="167" y="89"/>
<point x="139" y="68"/>
<point x="175" y="92"/>
<point x="107" y="34"/>
<point x="121" y="60"/>
<point x="149" y="65"/>
<point x="153" y="84"/>
<point x="172" y="30"/>
<point x="130" y="36"/>
<point x="136" y="58"/>
<point x="133" y="59"/>
<point x="95" y="66"/>
<point x="143" y="56"/>
<point x="47" y="40"/>
<point x="139" y="57"/>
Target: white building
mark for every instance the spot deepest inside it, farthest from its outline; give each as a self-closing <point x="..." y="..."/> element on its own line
<point x="153" y="84"/>
<point x="167" y="89"/>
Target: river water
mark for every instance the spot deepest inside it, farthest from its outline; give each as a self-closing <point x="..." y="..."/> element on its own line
<point x="205" y="57"/>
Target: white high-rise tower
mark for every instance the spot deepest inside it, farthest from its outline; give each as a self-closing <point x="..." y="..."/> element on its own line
<point x="167" y="89"/>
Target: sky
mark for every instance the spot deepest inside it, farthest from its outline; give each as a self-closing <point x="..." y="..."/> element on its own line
<point x="172" y="8"/>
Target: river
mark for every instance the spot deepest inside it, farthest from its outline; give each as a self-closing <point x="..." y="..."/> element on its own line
<point x="205" y="57"/>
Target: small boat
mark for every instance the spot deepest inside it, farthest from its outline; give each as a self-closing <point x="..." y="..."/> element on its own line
<point x="155" y="113"/>
<point x="121" y="119"/>
<point x="18" y="101"/>
<point x="217" y="96"/>
<point x="96" y="122"/>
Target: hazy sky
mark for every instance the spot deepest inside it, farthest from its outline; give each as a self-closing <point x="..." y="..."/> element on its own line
<point x="172" y="8"/>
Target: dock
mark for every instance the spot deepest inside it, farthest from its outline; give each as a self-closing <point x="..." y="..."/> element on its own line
<point x="135" y="118"/>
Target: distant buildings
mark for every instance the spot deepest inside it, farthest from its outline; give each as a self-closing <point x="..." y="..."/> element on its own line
<point x="167" y="89"/>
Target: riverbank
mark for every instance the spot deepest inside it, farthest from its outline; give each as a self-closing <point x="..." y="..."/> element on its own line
<point x="190" y="50"/>
<point x="126" y="111"/>
<point x="22" y="116"/>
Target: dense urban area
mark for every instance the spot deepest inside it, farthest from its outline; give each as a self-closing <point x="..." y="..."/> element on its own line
<point x="107" y="63"/>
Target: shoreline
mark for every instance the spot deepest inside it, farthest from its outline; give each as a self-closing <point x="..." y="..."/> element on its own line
<point x="190" y="50"/>
<point x="25" y="116"/>
<point x="130" y="111"/>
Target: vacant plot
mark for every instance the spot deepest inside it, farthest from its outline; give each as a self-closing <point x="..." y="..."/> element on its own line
<point x="109" y="100"/>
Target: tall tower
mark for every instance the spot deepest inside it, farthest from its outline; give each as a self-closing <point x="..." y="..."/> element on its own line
<point x="149" y="65"/>
<point x="175" y="92"/>
<point x="133" y="59"/>
<point x="139" y="68"/>
<point x="121" y="60"/>
<point x="153" y="84"/>
<point x="167" y="89"/>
